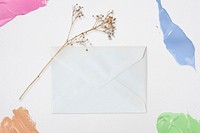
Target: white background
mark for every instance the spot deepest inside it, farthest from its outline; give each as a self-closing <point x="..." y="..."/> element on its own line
<point x="25" y="47"/>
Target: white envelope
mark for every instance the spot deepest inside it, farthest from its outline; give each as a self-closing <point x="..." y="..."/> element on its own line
<point x="105" y="79"/>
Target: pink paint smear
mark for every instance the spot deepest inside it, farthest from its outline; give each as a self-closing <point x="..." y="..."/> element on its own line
<point x="9" y="9"/>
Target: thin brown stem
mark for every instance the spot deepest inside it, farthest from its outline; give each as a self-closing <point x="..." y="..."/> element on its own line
<point x="70" y="29"/>
<point x="53" y="57"/>
<point x="102" y="24"/>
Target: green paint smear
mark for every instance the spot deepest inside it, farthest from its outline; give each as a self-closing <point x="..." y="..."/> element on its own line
<point x="177" y="123"/>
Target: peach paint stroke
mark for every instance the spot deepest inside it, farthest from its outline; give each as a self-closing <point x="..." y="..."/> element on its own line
<point x="20" y="123"/>
<point x="9" y="9"/>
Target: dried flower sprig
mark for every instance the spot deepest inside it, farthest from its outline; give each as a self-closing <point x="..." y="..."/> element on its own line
<point x="104" y="23"/>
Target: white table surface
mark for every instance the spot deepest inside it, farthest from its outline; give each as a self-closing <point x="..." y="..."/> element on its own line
<point x="25" y="47"/>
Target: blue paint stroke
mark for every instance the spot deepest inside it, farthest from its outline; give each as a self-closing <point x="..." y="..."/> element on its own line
<point x="176" y="41"/>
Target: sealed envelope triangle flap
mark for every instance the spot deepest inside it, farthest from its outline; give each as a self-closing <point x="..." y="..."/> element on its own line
<point x="100" y="64"/>
<point x="134" y="79"/>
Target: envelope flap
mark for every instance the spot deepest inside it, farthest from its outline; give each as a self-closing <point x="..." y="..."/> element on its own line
<point x="101" y="63"/>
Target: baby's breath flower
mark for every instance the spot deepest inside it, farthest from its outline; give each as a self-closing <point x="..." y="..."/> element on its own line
<point x="106" y="24"/>
<point x="103" y="23"/>
<point x="77" y="11"/>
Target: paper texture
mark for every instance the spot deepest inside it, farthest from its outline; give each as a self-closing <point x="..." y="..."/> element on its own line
<point x="105" y="79"/>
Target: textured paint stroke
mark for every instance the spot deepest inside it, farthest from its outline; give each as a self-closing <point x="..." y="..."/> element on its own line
<point x="20" y="123"/>
<point x="9" y="9"/>
<point x="176" y="41"/>
<point x="177" y="123"/>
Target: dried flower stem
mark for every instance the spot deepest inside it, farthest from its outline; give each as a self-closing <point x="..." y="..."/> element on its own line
<point x="103" y="24"/>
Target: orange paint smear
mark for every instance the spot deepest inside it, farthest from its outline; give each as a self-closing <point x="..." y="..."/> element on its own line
<point x="20" y="123"/>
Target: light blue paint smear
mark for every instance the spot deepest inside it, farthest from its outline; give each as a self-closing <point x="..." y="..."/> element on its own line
<point x="176" y="41"/>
